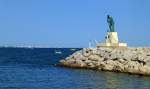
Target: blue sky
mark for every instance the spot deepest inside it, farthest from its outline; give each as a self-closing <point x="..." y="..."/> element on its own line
<point x="72" y="23"/>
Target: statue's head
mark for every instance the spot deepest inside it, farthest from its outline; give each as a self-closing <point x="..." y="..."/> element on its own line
<point x="108" y="16"/>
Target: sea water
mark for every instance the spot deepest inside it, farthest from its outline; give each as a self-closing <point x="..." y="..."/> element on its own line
<point x="34" y="68"/>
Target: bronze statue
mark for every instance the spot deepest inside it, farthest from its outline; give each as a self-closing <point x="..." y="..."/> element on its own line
<point x="111" y="23"/>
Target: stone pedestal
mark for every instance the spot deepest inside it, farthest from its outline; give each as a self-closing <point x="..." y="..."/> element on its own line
<point x="112" y="37"/>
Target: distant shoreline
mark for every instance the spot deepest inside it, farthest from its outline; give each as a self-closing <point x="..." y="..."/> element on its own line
<point x="39" y="47"/>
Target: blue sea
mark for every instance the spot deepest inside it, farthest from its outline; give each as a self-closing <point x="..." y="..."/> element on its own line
<point x="34" y="68"/>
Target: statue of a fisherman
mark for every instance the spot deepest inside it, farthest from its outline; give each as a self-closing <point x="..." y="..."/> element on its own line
<point x="111" y="23"/>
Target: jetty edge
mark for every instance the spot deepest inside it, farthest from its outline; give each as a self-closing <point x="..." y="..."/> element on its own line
<point x="127" y="60"/>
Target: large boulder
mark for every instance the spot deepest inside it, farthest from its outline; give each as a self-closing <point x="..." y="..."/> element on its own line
<point x="95" y="58"/>
<point x="80" y="63"/>
<point x="145" y="70"/>
<point x="86" y="52"/>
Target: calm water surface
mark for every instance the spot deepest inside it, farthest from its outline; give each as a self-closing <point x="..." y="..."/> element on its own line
<point x="34" y="69"/>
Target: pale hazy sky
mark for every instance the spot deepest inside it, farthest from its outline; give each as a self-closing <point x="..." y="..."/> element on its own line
<point x="72" y="23"/>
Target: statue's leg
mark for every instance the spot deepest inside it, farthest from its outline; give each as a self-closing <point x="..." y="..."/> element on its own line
<point x="113" y="29"/>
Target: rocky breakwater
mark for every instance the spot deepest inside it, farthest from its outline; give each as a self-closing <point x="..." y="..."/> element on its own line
<point x="129" y="60"/>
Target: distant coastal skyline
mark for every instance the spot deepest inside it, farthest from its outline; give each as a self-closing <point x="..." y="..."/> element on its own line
<point x="72" y="23"/>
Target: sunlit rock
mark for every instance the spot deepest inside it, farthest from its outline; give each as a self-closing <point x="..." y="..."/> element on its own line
<point x="129" y="60"/>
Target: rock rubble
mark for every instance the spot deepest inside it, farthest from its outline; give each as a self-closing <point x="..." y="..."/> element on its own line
<point x="128" y="60"/>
